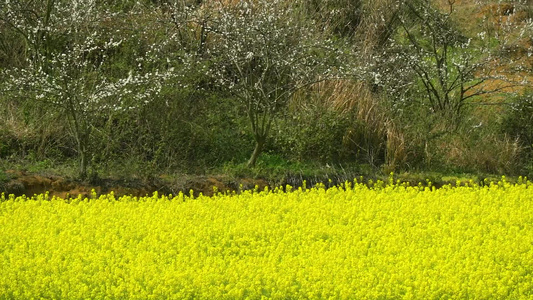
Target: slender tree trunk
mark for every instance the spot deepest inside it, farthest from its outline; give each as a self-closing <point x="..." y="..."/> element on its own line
<point x="81" y="132"/>
<point x="259" y="143"/>
<point x="83" y="152"/>
<point x="83" y="163"/>
<point x="82" y="135"/>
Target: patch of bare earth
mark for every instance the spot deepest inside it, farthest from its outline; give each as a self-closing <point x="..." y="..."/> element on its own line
<point x="23" y="183"/>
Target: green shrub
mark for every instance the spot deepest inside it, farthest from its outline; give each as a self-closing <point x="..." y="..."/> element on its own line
<point x="518" y="123"/>
<point x="313" y="134"/>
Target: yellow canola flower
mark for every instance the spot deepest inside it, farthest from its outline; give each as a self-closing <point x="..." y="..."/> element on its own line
<point x="350" y="242"/>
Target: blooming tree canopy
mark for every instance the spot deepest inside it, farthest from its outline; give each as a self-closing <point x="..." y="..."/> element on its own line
<point x="262" y="53"/>
<point x="69" y="65"/>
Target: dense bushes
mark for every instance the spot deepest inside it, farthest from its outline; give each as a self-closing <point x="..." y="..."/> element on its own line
<point x="313" y="134"/>
<point x="518" y="124"/>
<point x="173" y="114"/>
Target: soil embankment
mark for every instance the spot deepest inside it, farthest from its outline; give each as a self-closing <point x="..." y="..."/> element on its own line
<point x="22" y="183"/>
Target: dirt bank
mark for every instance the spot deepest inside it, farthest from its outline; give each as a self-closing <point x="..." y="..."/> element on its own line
<point x="23" y="183"/>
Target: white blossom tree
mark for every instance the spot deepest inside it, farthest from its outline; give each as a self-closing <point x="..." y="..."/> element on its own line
<point x="71" y="75"/>
<point x="434" y="72"/>
<point x="431" y="58"/>
<point x="262" y="52"/>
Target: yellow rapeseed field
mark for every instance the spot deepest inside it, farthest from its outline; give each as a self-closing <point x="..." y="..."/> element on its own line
<point x="351" y="242"/>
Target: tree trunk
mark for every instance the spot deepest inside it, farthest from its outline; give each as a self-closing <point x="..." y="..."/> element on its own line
<point x="259" y="143"/>
<point x="83" y="163"/>
<point x="83" y="151"/>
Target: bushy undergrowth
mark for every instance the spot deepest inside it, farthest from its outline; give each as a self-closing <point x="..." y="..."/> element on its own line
<point x="518" y="124"/>
<point x="119" y="116"/>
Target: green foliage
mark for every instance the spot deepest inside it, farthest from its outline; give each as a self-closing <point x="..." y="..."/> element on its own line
<point x="3" y="178"/>
<point x="266" y="51"/>
<point x="519" y="119"/>
<point x="271" y="166"/>
<point x="340" y="17"/>
<point x="518" y="123"/>
<point x="430" y="58"/>
<point x="280" y="171"/>
<point x="314" y="133"/>
<point x="199" y="121"/>
<point x="6" y="149"/>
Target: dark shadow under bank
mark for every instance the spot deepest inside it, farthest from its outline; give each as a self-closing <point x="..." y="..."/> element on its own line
<point x="21" y="183"/>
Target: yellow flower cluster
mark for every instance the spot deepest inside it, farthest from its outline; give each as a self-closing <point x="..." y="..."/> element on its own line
<point x="350" y="242"/>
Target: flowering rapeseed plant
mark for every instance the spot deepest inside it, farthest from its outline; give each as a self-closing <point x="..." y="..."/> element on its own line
<point x="350" y="242"/>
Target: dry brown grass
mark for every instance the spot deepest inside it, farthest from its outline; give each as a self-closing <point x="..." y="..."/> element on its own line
<point x="493" y="154"/>
<point x="374" y="130"/>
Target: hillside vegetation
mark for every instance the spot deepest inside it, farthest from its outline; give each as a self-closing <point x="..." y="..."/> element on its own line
<point x="120" y="88"/>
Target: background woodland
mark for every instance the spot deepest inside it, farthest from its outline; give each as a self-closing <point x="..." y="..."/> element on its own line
<point x="121" y="88"/>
